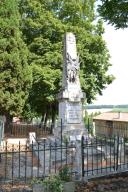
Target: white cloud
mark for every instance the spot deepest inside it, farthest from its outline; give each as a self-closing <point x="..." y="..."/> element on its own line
<point x="117" y="43"/>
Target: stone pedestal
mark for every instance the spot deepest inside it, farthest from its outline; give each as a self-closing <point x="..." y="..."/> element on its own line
<point x="71" y="96"/>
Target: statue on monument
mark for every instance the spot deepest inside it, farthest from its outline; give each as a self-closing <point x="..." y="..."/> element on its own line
<point x="72" y="68"/>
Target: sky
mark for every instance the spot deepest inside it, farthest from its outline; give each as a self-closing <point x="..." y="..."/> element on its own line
<point x="117" y="44"/>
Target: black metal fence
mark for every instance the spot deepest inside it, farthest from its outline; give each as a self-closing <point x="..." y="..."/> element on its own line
<point x="21" y="163"/>
<point x="103" y="156"/>
<point x="97" y="157"/>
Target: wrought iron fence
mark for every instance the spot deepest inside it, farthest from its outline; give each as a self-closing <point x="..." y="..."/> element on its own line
<point x="95" y="156"/>
<point x="21" y="163"/>
<point x="102" y="156"/>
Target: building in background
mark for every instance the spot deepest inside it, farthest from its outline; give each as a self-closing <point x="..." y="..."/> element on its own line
<point x="111" y="124"/>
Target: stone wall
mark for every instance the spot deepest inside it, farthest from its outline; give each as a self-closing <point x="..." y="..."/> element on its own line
<point x="114" y="183"/>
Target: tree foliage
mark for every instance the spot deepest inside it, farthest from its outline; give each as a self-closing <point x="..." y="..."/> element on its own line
<point x="15" y="74"/>
<point x="43" y="25"/>
<point x="115" y="12"/>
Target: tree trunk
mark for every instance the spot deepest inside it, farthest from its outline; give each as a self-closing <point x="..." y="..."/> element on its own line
<point x="54" y="112"/>
<point x="45" y="120"/>
<point x="8" y="127"/>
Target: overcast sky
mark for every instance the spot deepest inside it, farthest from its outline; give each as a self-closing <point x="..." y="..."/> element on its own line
<point x="117" y="43"/>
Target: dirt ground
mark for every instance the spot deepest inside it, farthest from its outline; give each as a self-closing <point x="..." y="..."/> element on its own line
<point x="15" y="188"/>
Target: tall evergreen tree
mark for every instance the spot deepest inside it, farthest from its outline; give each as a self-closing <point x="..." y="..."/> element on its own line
<point x="15" y="73"/>
<point x="44" y="25"/>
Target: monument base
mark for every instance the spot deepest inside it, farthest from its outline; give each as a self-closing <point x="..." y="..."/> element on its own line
<point x="70" y="119"/>
<point x="70" y="131"/>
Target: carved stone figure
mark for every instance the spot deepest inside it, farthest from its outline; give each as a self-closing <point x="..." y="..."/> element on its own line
<point x="72" y="68"/>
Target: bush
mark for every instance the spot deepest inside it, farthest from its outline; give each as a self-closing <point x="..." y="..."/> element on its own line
<point x="53" y="183"/>
<point x="64" y="173"/>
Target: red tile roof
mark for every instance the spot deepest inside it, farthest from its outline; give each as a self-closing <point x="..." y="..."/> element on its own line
<point x="112" y="116"/>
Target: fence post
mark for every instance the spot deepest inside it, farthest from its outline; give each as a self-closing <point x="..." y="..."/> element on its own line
<point x="82" y="156"/>
<point x="61" y="127"/>
<point x="117" y="152"/>
<point x="61" y="141"/>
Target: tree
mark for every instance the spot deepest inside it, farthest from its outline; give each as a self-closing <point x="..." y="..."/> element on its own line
<point x="44" y="25"/>
<point x="46" y="55"/>
<point x="115" y="12"/>
<point x="15" y="73"/>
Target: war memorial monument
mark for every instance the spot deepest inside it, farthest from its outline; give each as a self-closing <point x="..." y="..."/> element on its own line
<point x="71" y="96"/>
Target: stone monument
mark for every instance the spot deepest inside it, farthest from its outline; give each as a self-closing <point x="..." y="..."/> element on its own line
<point x="71" y="96"/>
